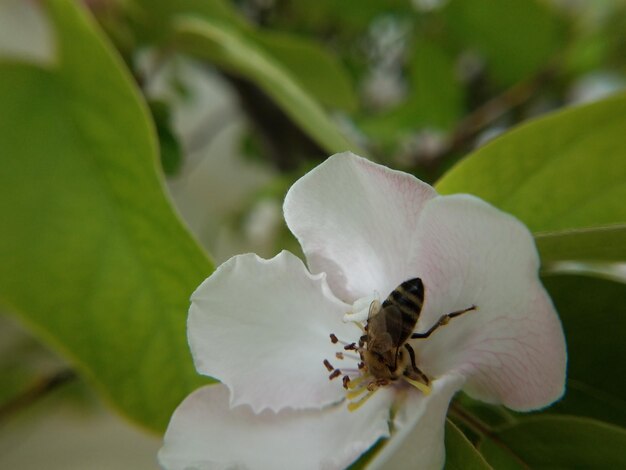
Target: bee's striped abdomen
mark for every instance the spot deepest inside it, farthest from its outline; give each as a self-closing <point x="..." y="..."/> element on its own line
<point x="408" y="296"/>
<point x="407" y="299"/>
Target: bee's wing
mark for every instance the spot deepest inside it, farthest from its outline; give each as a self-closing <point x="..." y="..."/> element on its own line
<point x="375" y="308"/>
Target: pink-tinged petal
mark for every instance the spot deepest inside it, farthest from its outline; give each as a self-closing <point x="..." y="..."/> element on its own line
<point x="354" y="220"/>
<point x="204" y="433"/>
<point x="262" y="328"/>
<point x="512" y="349"/>
<point x="418" y="439"/>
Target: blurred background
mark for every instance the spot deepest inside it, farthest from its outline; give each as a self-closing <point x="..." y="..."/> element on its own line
<point x="414" y="84"/>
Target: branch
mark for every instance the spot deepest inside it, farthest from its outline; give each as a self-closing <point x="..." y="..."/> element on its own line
<point x="37" y="391"/>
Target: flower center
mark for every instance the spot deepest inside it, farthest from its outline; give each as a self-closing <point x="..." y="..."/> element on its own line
<point x="384" y="351"/>
<point x="375" y="369"/>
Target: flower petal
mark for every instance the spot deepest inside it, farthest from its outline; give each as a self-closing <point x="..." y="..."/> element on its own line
<point x="354" y="220"/>
<point x="204" y="433"/>
<point x="262" y="328"/>
<point x="512" y="349"/>
<point x="418" y="441"/>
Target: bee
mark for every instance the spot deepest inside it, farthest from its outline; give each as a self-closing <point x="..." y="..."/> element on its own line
<point x="388" y="330"/>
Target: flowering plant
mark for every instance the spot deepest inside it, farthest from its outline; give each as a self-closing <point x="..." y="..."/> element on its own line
<point x="294" y="347"/>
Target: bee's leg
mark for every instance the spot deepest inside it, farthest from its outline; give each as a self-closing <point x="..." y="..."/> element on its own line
<point x="443" y="320"/>
<point x="417" y="373"/>
<point x="395" y="361"/>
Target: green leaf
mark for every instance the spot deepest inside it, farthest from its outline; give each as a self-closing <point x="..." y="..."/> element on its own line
<point x="235" y="52"/>
<point x="517" y="37"/>
<point x="436" y="93"/>
<point x="594" y="319"/>
<point x="586" y="244"/>
<point x="435" y="99"/>
<point x="314" y="68"/>
<point x="94" y="258"/>
<point x="460" y="452"/>
<point x="319" y="73"/>
<point x="557" y="442"/>
<point x="153" y="18"/>
<point x="171" y="151"/>
<point x="563" y="171"/>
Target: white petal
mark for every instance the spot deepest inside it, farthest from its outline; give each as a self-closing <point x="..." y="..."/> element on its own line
<point x="512" y="349"/>
<point x="418" y="441"/>
<point x="262" y="328"/>
<point x="354" y="220"/>
<point x="361" y="308"/>
<point x="205" y="434"/>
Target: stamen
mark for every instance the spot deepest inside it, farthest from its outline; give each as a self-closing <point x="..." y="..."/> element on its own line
<point x="351" y="356"/>
<point x="346" y="381"/>
<point x="422" y="387"/>
<point x="347" y="346"/>
<point x="352" y="406"/>
<point x="336" y="373"/>
<point x="355" y="393"/>
<point x="356" y="382"/>
<point x="339" y="355"/>
<point x="328" y="365"/>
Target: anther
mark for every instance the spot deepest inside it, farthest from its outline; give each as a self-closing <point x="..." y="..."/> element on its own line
<point x="336" y="373"/>
<point x="333" y="338"/>
<point x="339" y="355"/>
<point x="346" y="381"/>
<point x="351" y="347"/>
<point x="361" y="365"/>
<point x="328" y="365"/>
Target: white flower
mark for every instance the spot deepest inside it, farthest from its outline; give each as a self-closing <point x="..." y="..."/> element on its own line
<point x="262" y="327"/>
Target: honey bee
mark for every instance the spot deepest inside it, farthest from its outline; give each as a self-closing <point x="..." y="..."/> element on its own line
<point x="383" y="347"/>
<point x="388" y="329"/>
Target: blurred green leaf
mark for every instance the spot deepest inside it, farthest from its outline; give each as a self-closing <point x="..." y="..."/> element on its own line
<point x="593" y="313"/>
<point x="94" y="259"/>
<point x="436" y="92"/>
<point x="153" y="19"/>
<point x="585" y="244"/>
<point x="563" y="171"/>
<point x="435" y="99"/>
<point x="235" y="52"/>
<point x="517" y="37"/>
<point x="491" y="415"/>
<point x="557" y="442"/>
<point x="460" y="452"/>
<point x="314" y="68"/>
<point x="348" y="17"/>
<point x="171" y="151"/>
